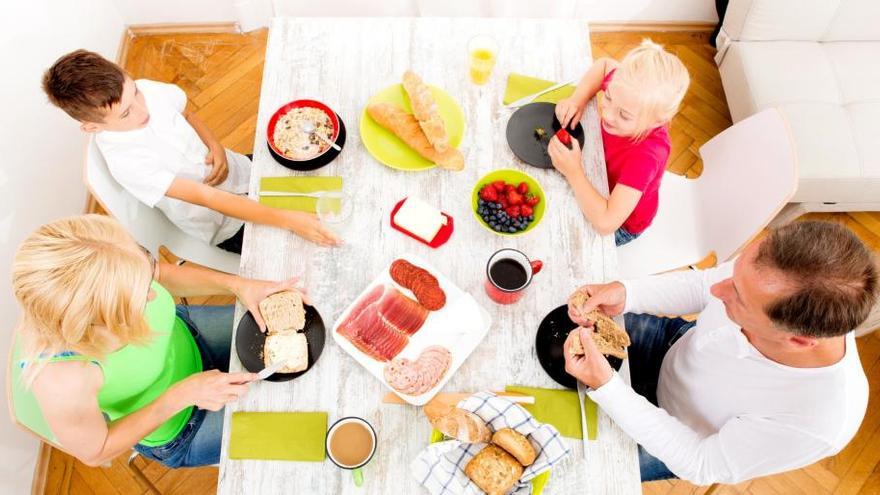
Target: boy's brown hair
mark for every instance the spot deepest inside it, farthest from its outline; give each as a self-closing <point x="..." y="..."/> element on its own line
<point x="84" y="85"/>
<point x="833" y="273"/>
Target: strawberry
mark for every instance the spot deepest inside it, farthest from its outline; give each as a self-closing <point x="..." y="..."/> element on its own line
<point x="503" y="200"/>
<point x="522" y="188"/>
<point x="488" y="193"/>
<point x="526" y="210"/>
<point x="498" y="185"/>
<point x="515" y="198"/>
<point x="508" y="188"/>
<point x="533" y="200"/>
<point x="513" y="211"/>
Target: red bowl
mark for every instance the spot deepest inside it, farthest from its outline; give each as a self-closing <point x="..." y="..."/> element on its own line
<point x="270" y="129"/>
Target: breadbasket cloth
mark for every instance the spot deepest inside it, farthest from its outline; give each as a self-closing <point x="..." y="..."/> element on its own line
<point x="440" y="467"/>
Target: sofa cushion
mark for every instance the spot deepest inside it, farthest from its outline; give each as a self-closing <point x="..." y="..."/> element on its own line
<point x="856" y="66"/>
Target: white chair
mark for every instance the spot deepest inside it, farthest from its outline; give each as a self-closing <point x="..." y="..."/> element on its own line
<point x="149" y="226"/>
<point x="749" y="174"/>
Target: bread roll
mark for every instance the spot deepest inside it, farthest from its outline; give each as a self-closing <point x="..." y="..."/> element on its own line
<point x="283" y="312"/>
<point x="462" y="425"/>
<point x="493" y="470"/>
<point x="424" y="108"/>
<point x="516" y="444"/>
<point x="608" y="336"/>
<point x="406" y="127"/>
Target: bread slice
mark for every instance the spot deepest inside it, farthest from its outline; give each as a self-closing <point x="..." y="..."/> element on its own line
<point x="424" y="108"/>
<point x="493" y="470"/>
<point x="406" y="127"/>
<point x="516" y="444"/>
<point x="283" y="312"/>
<point x="293" y="348"/>
<point x="608" y="336"/>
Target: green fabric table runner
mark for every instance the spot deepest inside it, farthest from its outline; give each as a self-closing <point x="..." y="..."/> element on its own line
<point x="560" y="409"/>
<point x="520" y="86"/>
<point x="286" y="436"/>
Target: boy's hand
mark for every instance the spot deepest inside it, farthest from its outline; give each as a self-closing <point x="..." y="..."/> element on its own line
<point x="307" y="226"/>
<point x="569" y="112"/>
<point x="216" y="159"/>
<point x="591" y="368"/>
<point x="566" y="161"/>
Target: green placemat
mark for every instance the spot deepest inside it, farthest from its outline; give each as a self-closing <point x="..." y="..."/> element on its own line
<point x="302" y="185"/>
<point x="285" y="436"/>
<point x="520" y="86"/>
<point x="560" y="409"/>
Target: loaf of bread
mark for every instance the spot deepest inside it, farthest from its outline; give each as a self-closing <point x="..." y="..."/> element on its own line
<point x="608" y="336"/>
<point x="462" y="425"/>
<point x="493" y="470"/>
<point x="516" y="444"/>
<point x="424" y="108"/>
<point x="283" y="312"/>
<point x="406" y="127"/>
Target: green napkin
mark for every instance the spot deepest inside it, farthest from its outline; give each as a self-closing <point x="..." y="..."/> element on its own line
<point x="560" y="409"/>
<point x="303" y="185"/>
<point x="520" y="86"/>
<point x="286" y="436"/>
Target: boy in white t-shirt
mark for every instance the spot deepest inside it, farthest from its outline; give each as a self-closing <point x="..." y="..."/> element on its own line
<point x="164" y="155"/>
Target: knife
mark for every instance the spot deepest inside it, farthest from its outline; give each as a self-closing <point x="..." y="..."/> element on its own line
<point x="270" y="370"/>
<point x="582" y="392"/>
<point x="528" y="99"/>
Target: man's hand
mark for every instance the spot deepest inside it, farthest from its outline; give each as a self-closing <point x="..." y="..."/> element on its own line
<point x="216" y="159"/>
<point x="607" y="298"/>
<point x="591" y="368"/>
<point x="567" y="161"/>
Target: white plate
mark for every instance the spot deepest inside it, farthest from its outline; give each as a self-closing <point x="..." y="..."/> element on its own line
<point x="459" y="326"/>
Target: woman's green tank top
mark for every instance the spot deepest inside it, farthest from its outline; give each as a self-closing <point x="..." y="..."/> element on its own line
<point x="134" y="376"/>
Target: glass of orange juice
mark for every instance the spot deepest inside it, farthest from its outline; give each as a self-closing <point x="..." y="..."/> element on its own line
<point x="483" y="52"/>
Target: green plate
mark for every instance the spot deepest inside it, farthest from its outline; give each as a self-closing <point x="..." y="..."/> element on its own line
<point x="388" y="149"/>
<point x="514" y="177"/>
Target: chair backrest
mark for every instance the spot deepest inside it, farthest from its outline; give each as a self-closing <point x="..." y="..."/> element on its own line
<point x="749" y="174"/>
<point x="149" y="226"/>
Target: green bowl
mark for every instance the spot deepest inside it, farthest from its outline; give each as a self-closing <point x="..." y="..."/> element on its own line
<point x="510" y="176"/>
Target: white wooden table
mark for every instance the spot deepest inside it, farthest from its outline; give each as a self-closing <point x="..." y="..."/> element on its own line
<point x="342" y="62"/>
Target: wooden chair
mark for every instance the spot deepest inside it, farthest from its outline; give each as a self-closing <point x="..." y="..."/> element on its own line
<point x="749" y="174"/>
<point x="149" y="226"/>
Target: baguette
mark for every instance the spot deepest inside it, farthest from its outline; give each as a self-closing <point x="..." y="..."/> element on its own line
<point x="424" y="108"/>
<point x="406" y="127"/>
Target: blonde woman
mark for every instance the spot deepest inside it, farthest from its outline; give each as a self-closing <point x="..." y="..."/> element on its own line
<point x="642" y="94"/>
<point x="103" y="361"/>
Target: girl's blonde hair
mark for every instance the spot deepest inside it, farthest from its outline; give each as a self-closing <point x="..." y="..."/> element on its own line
<point x="74" y="273"/>
<point x="659" y="80"/>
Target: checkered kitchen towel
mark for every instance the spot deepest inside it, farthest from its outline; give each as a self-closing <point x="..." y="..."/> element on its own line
<point x="440" y="467"/>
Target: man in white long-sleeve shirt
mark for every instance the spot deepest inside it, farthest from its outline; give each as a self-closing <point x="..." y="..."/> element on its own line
<point x="766" y="380"/>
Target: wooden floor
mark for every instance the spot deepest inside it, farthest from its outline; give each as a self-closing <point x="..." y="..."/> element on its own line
<point x="221" y="74"/>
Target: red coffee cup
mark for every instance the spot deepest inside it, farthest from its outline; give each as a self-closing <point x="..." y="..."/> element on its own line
<point x="508" y="273"/>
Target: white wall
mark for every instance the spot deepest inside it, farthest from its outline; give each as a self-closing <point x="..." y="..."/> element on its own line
<point x="189" y="11"/>
<point x="40" y="177"/>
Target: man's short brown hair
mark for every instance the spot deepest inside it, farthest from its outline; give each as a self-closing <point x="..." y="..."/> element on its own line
<point x="84" y="84"/>
<point x="833" y="273"/>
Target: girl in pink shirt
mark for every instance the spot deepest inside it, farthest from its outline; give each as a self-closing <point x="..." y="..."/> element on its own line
<point x="642" y="94"/>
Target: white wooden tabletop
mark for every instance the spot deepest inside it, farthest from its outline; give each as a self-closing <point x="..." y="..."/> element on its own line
<point x="342" y="62"/>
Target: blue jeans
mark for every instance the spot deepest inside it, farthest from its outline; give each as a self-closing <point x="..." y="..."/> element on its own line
<point x="623" y="236"/>
<point x="198" y="444"/>
<point x="651" y="337"/>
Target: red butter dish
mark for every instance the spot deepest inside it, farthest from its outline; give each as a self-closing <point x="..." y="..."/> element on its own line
<point x="439" y="239"/>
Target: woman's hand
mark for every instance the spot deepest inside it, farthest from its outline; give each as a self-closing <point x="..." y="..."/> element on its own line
<point x="591" y="368"/>
<point x="608" y="298"/>
<point x="211" y="389"/>
<point x="566" y="161"/>
<point x="307" y="226"/>
<point x="250" y="292"/>
<point x="568" y="111"/>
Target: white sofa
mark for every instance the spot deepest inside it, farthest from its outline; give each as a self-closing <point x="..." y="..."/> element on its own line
<point x="819" y="61"/>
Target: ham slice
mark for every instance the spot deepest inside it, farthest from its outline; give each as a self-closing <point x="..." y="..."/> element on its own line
<point x="382" y="321"/>
<point x="419" y="376"/>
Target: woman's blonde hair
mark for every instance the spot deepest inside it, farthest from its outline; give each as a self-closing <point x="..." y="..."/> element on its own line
<point x="659" y="80"/>
<point x="76" y="272"/>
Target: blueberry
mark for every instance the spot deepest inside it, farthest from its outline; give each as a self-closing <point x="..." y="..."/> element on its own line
<point x="511" y="230"/>
<point x="481" y="202"/>
<point x="531" y="217"/>
<point x="497" y="228"/>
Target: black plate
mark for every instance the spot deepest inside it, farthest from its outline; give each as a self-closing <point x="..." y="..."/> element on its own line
<point x="521" y="133"/>
<point x="314" y="163"/>
<point x="249" y="342"/>
<point x="549" y="341"/>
